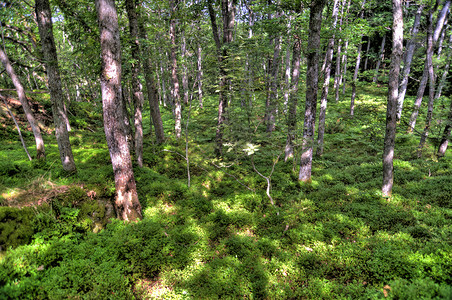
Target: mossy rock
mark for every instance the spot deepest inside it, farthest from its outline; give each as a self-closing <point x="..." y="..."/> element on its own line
<point x="15" y="226"/>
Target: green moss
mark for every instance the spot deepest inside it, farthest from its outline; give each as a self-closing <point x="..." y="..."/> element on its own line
<point x="15" y="226"/>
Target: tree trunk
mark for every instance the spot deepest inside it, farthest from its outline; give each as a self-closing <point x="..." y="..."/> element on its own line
<point x="174" y="78"/>
<point x="355" y="79"/>
<point x="312" y="77"/>
<point x="40" y="149"/>
<point x="411" y="46"/>
<point x="127" y="205"/>
<point x="137" y="90"/>
<point x="271" y="108"/>
<point x="200" y="72"/>
<point x="343" y="78"/>
<point x="17" y="127"/>
<point x="367" y="53"/>
<point x="326" y="82"/>
<point x="228" y="15"/>
<point x="391" y="121"/>
<point x="442" y="82"/>
<point x="381" y="58"/>
<point x="44" y="19"/>
<point x="446" y="134"/>
<point x="184" y="68"/>
<point x="293" y="100"/>
<point x="424" y="79"/>
<point x="358" y="61"/>
<point x="151" y="89"/>
<point x="431" y="78"/>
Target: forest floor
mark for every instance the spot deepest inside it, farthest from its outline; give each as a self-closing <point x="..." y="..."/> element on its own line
<point x="220" y="237"/>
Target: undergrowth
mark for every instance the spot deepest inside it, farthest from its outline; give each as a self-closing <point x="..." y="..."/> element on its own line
<point x="220" y="237"/>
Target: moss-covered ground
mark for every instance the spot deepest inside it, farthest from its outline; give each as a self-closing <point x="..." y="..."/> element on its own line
<point x="220" y="237"/>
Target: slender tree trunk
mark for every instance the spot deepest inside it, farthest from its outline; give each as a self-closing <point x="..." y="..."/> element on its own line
<point x="381" y="58"/>
<point x="391" y="121"/>
<point x="17" y="127"/>
<point x="271" y="109"/>
<point x="326" y="82"/>
<point x="127" y="205"/>
<point x="287" y="74"/>
<point x="44" y="19"/>
<point x="431" y="78"/>
<point x="184" y="68"/>
<point x="343" y="77"/>
<point x="411" y="46"/>
<point x="446" y="134"/>
<point x="367" y="53"/>
<point x="312" y="77"/>
<point x="358" y="62"/>
<point x="40" y="149"/>
<point x="442" y="82"/>
<point x="420" y="93"/>
<point x="137" y="90"/>
<point x="175" y="80"/>
<point x="337" y="75"/>
<point x="355" y="79"/>
<point x="200" y="72"/>
<point x="152" y="91"/>
<point x="228" y="15"/>
<point x="293" y="100"/>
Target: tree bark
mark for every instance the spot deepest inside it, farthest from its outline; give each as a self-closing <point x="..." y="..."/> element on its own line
<point x="228" y="16"/>
<point x="184" y="69"/>
<point x="312" y="77"/>
<point x="40" y="149"/>
<point x="44" y="20"/>
<point x="431" y="78"/>
<point x="137" y="89"/>
<point x="391" y="121"/>
<point x="273" y="89"/>
<point x="326" y="83"/>
<point x="381" y="58"/>
<point x="358" y="62"/>
<point x="200" y="72"/>
<point x="446" y="134"/>
<point x="293" y="100"/>
<point x="127" y="205"/>
<point x="409" y="53"/>
<point x="174" y="78"/>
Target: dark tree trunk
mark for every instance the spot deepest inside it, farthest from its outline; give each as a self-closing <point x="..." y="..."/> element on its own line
<point x="431" y="78"/>
<point x="151" y="90"/>
<point x="127" y="205"/>
<point x="228" y="16"/>
<point x="312" y="78"/>
<point x="44" y="19"/>
<point x="326" y="83"/>
<point x="40" y="150"/>
<point x="293" y="100"/>
<point x="137" y="90"/>
<point x="446" y="134"/>
<point x="391" y="121"/>
<point x="381" y="58"/>
<point x="273" y="88"/>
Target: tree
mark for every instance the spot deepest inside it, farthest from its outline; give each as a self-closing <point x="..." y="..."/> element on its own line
<point x="126" y="201"/>
<point x="326" y="83"/>
<point x="44" y="19"/>
<point x="312" y="79"/>
<point x="137" y="93"/>
<point x="174" y="78"/>
<point x="40" y="150"/>
<point x="423" y="83"/>
<point x="228" y="18"/>
<point x="408" y="58"/>
<point x="391" y="110"/>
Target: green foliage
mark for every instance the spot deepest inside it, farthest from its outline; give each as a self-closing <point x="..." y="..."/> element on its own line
<point x="15" y="226"/>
